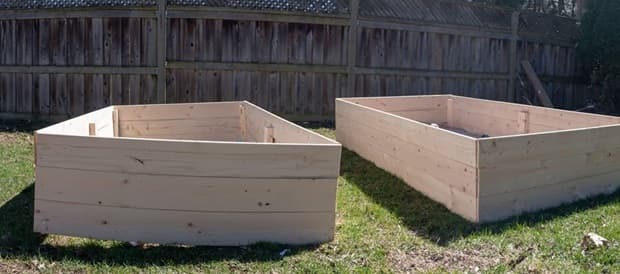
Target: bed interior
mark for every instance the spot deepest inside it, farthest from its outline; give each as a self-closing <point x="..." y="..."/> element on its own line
<point x="483" y="118"/>
<point x="222" y="121"/>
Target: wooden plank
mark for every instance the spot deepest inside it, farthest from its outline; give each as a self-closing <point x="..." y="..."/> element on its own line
<point x="206" y="121"/>
<point x="9" y="49"/>
<point x="449" y="144"/>
<point x="501" y="118"/>
<point x="92" y="129"/>
<point x="161" y="50"/>
<point x="132" y="56"/>
<point x="76" y="56"/>
<point x="502" y="206"/>
<point x="250" y="15"/>
<point x="179" y="111"/>
<point x="80" y="125"/>
<point x="432" y="73"/>
<point x="25" y="37"/>
<point x="97" y="98"/>
<point x="78" y="69"/>
<point x="189" y="158"/>
<point x="413" y="158"/>
<point x="353" y="44"/>
<point x="450" y="112"/>
<point x="448" y="182"/>
<point x="202" y="54"/>
<point x="427" y="109"/>
<point x="113" y="29"/>
<point x="258" y="119"/>
<point x="545" y="39"/>
<point x="173" y="33"/>
<point x="76" y="13"/>
<point x="234" y="66"/>
<point x="394" y="24"/>
<point x="524" y="122"/>
<point x="115" y="122"/>
<point x="243" y="123"/>
<point x="199" y="128"/>
<point x="58" y="51"/>
<point x="149" y="58"/>
<point x="512" y="63"/>
<point x="43" y="58"/>
<point x="476" y="117"/>
<point x="538" y="86"/>
<point x="182" y="227"/>
<point x="149" y="38"/>
<point x="517" y="163"/>
<point x="268" y="135"/>
<point x="495" y="151"/>
<point x="164" y="192"/>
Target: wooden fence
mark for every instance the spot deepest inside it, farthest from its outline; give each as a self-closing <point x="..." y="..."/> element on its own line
<point x="58" y="63"/>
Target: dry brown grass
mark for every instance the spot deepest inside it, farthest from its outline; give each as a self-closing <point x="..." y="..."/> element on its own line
<point x="422" y="259"/>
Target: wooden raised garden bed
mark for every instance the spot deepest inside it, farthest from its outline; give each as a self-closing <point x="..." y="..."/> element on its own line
<point x="198" y="174"/>
<point x="485" y="160"/>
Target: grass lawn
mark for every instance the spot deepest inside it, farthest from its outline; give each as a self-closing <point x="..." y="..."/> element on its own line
<point x="382" y="226"/>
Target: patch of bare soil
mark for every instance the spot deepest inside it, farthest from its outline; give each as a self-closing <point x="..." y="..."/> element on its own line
<point x="16" y="268"/>
<point x="471" y="260"/>
<point x="14" y="137"/>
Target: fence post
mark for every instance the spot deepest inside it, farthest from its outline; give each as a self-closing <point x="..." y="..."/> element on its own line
<point x="352" y="50"/>
<point x="514" y="26"/>
<point x="161" y="51"/>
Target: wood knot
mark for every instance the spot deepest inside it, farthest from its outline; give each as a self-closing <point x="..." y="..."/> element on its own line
<point x="137" y="160"/>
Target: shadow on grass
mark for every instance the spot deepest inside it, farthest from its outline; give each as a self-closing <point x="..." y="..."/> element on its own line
<point x="432" y="220"/>
<point x="18" y="241"/>
<point x="22" y="125"/>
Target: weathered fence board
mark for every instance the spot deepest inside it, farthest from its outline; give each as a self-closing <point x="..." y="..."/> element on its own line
<point x="62" y="63"/>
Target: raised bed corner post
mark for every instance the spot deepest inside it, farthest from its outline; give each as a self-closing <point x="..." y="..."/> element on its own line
<point x="161" y="51"/>
<point x="268" y="135"/>
<point x="352" y="47"/>
<point x="92" y="129"/>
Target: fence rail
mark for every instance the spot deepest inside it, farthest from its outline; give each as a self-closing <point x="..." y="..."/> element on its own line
<point x="57" y="63"/>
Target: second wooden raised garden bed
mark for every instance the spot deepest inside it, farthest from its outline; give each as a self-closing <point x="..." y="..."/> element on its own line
<point x="485" y="160"/>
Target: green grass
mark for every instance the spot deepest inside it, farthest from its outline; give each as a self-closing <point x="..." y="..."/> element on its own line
<point x="382" y="226"/>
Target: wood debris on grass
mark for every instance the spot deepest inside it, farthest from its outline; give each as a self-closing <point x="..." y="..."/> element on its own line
<point x="592" y="241"/>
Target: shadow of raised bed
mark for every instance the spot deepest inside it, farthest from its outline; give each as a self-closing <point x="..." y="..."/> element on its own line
<point x="432" y="220"/>
<point x="18" y="240"/>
